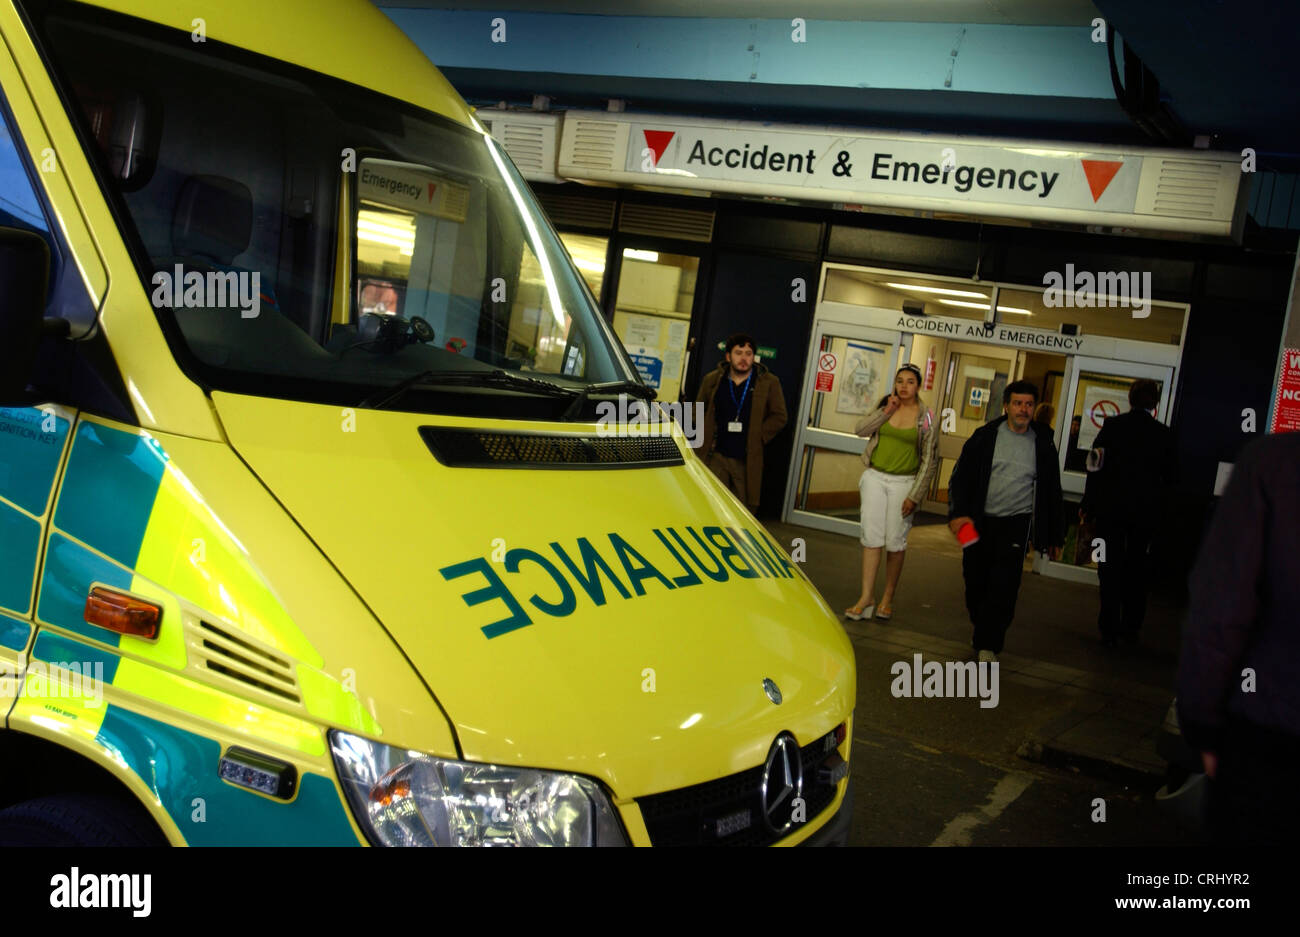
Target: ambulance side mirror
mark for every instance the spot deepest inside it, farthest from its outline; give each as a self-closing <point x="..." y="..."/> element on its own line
<point x="24" y="278"/>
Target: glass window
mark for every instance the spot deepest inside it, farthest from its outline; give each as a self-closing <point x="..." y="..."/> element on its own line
<point x="922" y="296"/>
<point x="230" y="190"/>
<point x="652" y="315"/>
<point x="588" y="255"/>
<point x="1163" y="323"/>
<point x="828" y="483"/>
<point x="861" y="377"/>
<point x="1099" y="396"/>
<point x="19" y="207"/>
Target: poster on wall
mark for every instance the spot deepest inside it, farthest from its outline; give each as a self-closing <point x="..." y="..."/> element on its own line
<point x="640" y="330"/>
<point x="1098" y="404"/>
<point x="864" y="366"/>
<point x="1286" y="406"/>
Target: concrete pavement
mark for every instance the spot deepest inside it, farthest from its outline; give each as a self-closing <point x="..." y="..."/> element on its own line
<point x="1066" y="700"/>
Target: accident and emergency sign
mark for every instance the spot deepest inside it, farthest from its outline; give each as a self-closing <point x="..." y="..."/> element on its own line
<point x="943" y="168"/>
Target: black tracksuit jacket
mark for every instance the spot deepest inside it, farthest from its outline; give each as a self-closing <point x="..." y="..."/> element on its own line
<point x="969" y="485"/>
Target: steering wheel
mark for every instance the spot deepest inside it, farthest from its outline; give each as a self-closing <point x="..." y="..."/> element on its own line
<point x="421" y="330"/>
<point x="389" y="334"/>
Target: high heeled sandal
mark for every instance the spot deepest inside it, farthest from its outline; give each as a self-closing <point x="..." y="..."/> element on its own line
<point x="860" y="612"/>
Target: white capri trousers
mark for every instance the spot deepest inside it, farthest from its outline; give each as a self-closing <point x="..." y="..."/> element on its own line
<point x="883" y="523"/>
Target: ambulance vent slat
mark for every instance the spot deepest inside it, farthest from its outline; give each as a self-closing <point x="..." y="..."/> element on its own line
<point x="238" y="658"/>
<point x="468" y="448"/>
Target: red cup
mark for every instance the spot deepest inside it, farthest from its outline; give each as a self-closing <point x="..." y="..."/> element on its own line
<point x="966" y="535"/>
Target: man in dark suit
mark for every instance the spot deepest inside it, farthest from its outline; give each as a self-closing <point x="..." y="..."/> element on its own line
<point x="1129" y="467"/>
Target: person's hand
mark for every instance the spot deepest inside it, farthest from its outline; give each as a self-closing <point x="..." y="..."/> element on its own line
<point x="1054" y="553"/>
<point x="892" y="404"/>
<point x="957" y="523"/>
<point x="908" y="506"/>
<point x="1210" y="760"/>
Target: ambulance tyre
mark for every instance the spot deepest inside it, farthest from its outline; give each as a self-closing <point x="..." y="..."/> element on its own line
<point x="77" y="820"/>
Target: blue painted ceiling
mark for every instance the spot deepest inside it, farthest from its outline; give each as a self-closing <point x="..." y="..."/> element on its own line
<point x="1027" y="68"/>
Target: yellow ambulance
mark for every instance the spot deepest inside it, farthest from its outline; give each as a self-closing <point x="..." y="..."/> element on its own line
<point x="309" y="532"/>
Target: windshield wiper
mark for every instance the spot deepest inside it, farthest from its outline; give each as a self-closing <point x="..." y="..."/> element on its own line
<point x="497" y="378"/>
<point x="632" y="388"/>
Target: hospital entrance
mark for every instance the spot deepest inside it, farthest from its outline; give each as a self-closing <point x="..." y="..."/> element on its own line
<point x="969" y="339"/>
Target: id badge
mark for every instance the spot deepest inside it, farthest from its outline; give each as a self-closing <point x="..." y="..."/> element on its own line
<point x="735" y="426"/>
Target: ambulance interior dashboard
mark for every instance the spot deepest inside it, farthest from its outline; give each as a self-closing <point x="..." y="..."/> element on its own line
<point x="301" y="237"/>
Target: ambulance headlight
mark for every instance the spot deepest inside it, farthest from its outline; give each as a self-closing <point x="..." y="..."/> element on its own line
<point x="405" y="798"/>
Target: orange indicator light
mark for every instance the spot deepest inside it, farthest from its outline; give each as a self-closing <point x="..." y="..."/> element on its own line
<point x="122" y="613"/>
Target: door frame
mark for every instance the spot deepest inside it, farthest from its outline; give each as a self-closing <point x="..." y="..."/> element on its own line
<point x="1073" y="483"/>
<point x="806" y="435"/>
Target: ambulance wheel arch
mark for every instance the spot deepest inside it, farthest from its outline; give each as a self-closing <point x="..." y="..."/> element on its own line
<point x="89" y="796"/>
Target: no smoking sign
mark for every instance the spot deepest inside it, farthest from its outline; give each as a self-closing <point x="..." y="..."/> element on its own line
<point x="825" y="373"/>
<point x="1101" y="410"/>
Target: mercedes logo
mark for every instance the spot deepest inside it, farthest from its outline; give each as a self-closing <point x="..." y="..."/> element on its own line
<point x="782" y="783"/>
<point x="772" y="690"/>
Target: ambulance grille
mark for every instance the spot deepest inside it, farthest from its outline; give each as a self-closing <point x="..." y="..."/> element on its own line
<point x="462" y="448"/>
<point x="689" y="816"/>
<point x="238" y="658"/>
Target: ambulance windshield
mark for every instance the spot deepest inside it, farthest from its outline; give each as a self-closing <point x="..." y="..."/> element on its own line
<point x="301" y="237"/>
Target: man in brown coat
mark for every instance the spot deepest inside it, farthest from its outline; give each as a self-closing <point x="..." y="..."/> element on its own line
<point x="743" y="411"/>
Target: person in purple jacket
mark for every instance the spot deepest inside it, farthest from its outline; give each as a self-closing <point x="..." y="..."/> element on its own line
<point x="1239" y="674"/>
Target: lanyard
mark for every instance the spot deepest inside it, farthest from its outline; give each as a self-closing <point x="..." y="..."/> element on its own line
<point x="731" y="385"/>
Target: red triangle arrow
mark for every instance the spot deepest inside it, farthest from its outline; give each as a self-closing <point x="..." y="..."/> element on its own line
<point x="1099" y="173"/>
<point x="432" y="186"/>
<point x="658" y="141"/>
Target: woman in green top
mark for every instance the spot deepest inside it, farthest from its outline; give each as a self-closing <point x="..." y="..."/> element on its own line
<point x="901" y="458"/>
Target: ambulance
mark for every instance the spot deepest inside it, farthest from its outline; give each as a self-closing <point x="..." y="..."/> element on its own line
<point x="309" y="533"/>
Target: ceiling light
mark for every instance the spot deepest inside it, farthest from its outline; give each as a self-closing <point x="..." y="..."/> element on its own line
<point x="937" y="289"/>
<point x="1001" y="308"/>
<point x="630" y="254"/>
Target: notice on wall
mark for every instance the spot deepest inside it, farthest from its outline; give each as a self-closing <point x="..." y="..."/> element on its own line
<point x="1286" y="405"/>
<point x="1098" y="404"/>
<point x="641" y="330"/>
<point x="649" y="364"/>
<point x="677" y="330"/>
